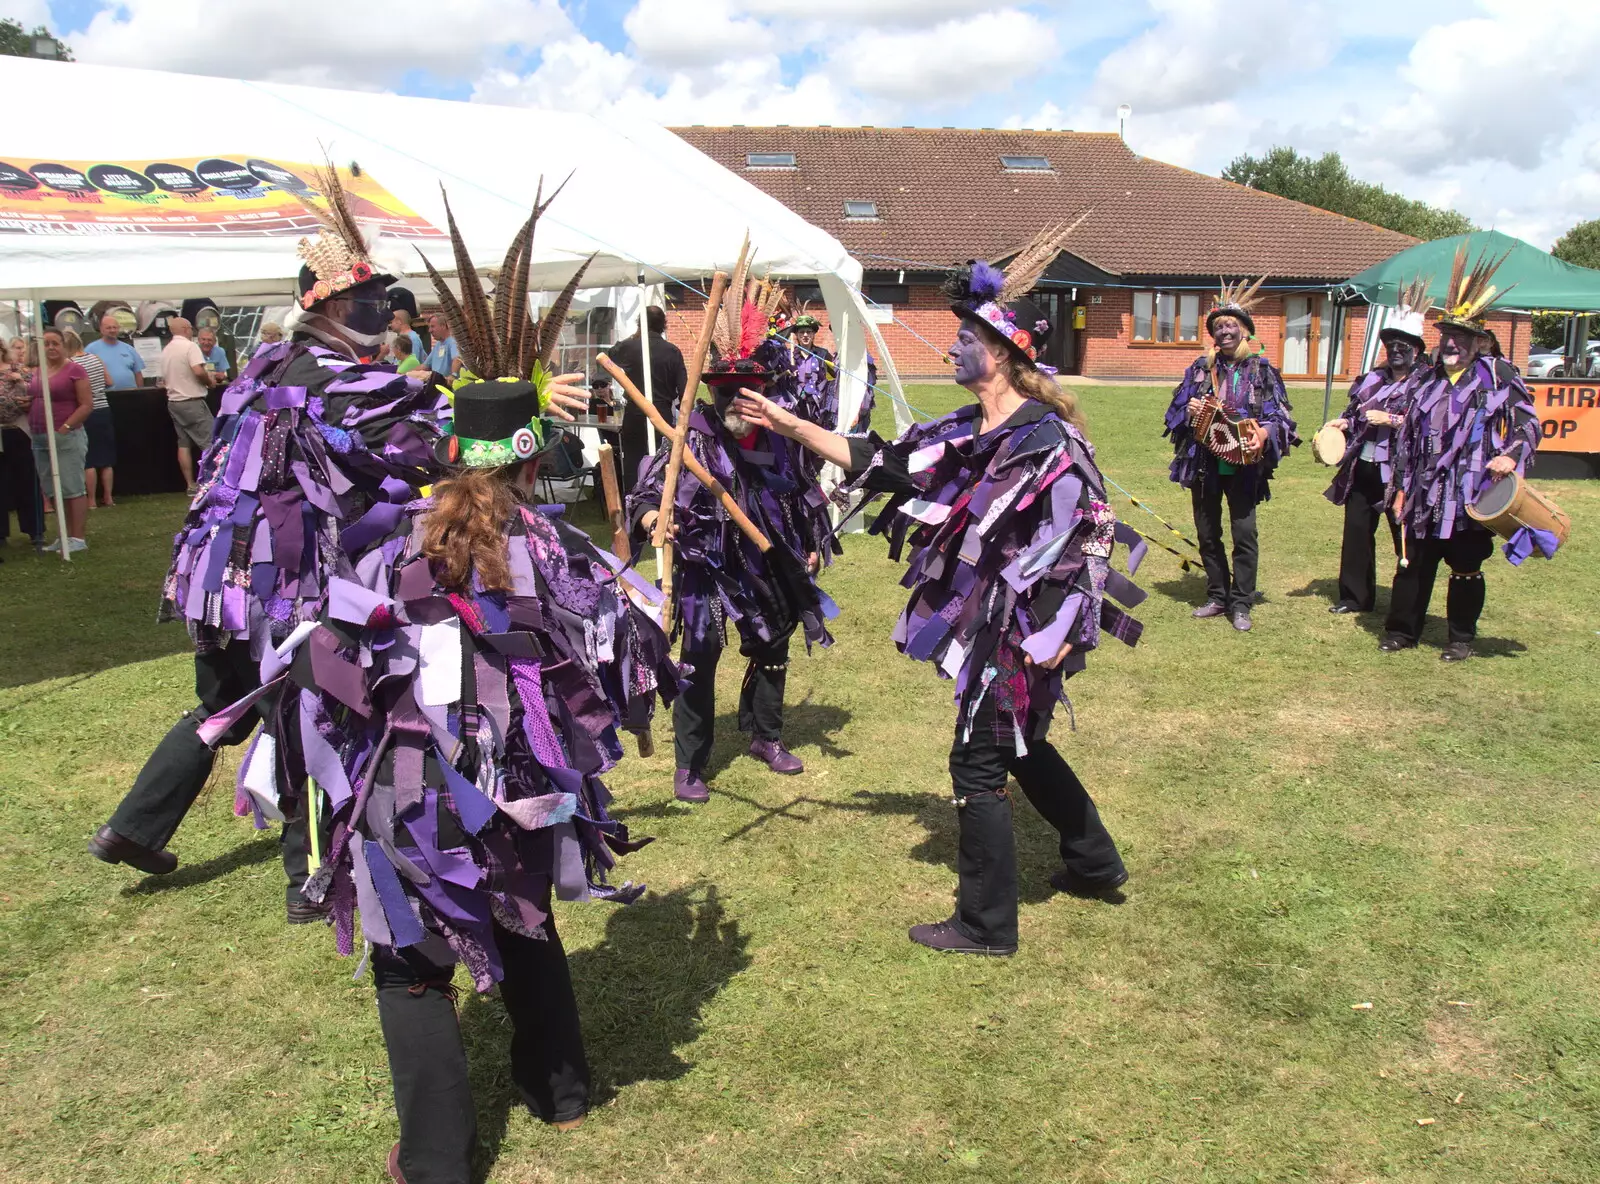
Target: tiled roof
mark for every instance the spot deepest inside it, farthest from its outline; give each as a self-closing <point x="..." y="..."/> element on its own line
<point x="943" y="198"/>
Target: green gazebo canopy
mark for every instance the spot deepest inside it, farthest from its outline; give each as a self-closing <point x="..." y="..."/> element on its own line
<point x="1528" y="279"/>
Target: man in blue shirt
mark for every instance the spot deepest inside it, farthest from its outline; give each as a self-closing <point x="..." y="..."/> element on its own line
<point x="445" y="356"/>
<point x="216" y="358"/>
<point x="124" y="366"/>
<point x="400" y="325"/>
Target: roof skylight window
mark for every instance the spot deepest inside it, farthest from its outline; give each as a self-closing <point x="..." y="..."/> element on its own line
<point x="769" y="160"/>
<point x="862" y="211"/>
<point x="1025" y="164"/>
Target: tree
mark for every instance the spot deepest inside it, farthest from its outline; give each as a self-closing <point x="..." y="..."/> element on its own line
<point x="1580" y="245"/>
<point x="1326" y="183"/>
<point x="16" y="43"/>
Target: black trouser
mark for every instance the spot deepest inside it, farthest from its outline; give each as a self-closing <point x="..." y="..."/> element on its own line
<point x="19" y="486"/>
<point x="1238" y="593"/>
<point x="1358" y="580"/>
<point x="428" y="1064"/>
<point x="986" y="857"/>
<point x="1464" y="551"/>
<point x="694" y="712"/>
<point x="181" y="765"/>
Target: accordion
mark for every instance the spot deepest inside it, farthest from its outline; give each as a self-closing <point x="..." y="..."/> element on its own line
<point x="1230" y="439"/>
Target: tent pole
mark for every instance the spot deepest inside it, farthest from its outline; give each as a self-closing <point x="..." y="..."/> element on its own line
<point x="649" y="388"/>
<point x="50" y="425"/>
<point x="1334" y="338"/>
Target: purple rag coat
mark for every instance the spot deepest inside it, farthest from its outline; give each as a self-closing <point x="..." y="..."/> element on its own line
<point x="1375" y="390"/>
<point x="1251" y="388"/>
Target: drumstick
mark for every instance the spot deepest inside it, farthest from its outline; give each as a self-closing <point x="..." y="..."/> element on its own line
<point x="1404" y="562"/>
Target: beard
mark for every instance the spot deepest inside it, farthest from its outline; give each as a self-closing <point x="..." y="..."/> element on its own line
<point x="735" y="424"/>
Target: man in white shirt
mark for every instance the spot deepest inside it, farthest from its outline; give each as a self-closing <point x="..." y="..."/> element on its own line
<point x="183" y="371"/>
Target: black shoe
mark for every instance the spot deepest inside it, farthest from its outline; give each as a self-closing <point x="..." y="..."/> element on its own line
<point x="947" y="939"/>
<point x="1210" y="609"/>
<point x="301" y="911"/>
<point x="1344" y="606"/>
<point x="1456" y="651"/>
<point x="1393" y="643"/>
<point x="1068" y="881"/>
<point x="109" y="846"/>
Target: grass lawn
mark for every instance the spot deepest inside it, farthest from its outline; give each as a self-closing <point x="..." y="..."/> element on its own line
<point x="1359" y="942"/>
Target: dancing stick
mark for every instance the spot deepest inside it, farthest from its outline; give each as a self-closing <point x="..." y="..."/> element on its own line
<point x="736" y="512"/>
<point x="613" y="496"/>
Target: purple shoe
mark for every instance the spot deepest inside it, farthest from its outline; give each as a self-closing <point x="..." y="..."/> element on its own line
<point x="947" y="939"/>
<point x="779" y="759"/>
<point x="687" y="787"/>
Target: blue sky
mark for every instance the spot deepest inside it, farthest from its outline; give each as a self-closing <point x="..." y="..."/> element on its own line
<point x="1485" y="106"/>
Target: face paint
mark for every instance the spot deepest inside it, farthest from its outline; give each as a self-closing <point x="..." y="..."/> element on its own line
<point x="1227" y="332"/>
<point x="1456" y="347"/>
<point x="1399" y="353"/>
<point x="971" y="357"/>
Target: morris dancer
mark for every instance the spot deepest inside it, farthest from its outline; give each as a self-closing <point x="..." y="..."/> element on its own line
<point x="313" y="456"/>
<point x="1378" y="402"/>
<point x="721" y="575"/>
<point x="457" y="700"/>
<point x="1011" y="537"/>
<point x="1248" y="388"/>
<point x="1471" y="422"/>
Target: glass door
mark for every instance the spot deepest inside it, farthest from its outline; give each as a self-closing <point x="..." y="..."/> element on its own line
<point x="1324" y="328"/>
<point x="1297" y="332"/>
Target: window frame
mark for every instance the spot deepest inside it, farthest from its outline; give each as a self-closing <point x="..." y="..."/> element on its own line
<point x="859" y="217"/>
<point x="1177" y="297"/>
<point x="1008" y="163"/>
<point x="771" y="161"/>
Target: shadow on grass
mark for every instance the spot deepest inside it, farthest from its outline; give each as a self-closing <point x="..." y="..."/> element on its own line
<point x="640" y="993"/>
<point x="1189" y="588"/>
<point x="804" y="723"/>
<point x="187" y="876"/>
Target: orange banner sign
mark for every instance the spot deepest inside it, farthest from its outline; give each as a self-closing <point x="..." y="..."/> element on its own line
<point x="1569" y="421"/>
<point x="238" y="195"/>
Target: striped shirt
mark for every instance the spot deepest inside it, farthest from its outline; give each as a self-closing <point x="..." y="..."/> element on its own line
<point x="96" y="370"/>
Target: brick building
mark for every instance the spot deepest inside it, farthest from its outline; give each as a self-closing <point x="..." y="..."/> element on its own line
<point x="1130" y="293"/>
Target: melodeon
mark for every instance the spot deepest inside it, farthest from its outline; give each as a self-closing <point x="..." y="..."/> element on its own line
<point x="1227" y="438"/>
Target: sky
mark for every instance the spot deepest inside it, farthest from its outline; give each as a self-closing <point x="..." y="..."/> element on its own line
<point x="1486" y="107"/>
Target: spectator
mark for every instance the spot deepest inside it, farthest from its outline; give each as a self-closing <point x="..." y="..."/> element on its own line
<point x="405" y="358"/>
<point x="400" y="326"/>
<point x="17" y="352"/>
<point x="102" y="452"/>
<point x="271" y="334"/>
<point x="19" y="484"/>
<point x="124" y="366"/>
<point x="215" y="356"/>
<point x="71" y="402"/>
<point x="444" y="359"/>
<point x="667" y="379"/>
<point x="183" y="369"/>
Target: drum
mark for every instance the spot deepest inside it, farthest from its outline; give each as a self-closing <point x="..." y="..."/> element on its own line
<point x="1328" y="445"/>
<point x="1509" y="503"/>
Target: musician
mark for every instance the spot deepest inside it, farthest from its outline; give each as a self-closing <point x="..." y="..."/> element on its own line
<point x="1008" y="592"/>
<point x="1233" y="384"/>
<point x="1471" y="422"/>
<point x="1378" y="402"/>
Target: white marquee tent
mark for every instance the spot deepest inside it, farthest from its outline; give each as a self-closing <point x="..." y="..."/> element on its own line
<point x="653" y="207"/>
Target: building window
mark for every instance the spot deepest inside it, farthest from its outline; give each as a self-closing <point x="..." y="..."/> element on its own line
<point x="889" y="293"/>
<point x="1166" y="318"/>
<point x="769" y="160"/>
<point x="861" y="211"/>
<point x="1025" y="164"/>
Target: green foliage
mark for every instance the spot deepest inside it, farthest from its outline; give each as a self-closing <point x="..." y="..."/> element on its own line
<point x="17" y="43"/>
<point x="1310" y="825"/>
<point x="1580" y="246"/>
<point x="1326" y="183"/>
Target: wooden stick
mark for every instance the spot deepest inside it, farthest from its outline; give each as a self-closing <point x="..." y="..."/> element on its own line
<point x="613" y="496"/>
<point x="697" y="365"/>
<point x="735" y="511"/>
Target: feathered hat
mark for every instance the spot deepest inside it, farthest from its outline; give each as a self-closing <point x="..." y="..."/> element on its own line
<point x="340" y="257"/>
<point x="984" y="293"/>
<point x="505" y="354"/>
<point x="741" y="327"/>
<point x="1236" y="300"/>
<point x="1470" y="293"/>
<point x="1407" y="320"/>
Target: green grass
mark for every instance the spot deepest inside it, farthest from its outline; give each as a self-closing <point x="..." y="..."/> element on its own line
<point x="1310" y="825"/>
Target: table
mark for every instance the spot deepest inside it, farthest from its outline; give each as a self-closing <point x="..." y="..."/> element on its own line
<point x="147" y="445"/>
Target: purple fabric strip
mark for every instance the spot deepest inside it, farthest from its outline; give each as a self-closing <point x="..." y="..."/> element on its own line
<point x="212" y="729"/>
<point x="1124" y="590"/>
<point x="335" y="676"/>
<point x="403" y="924"/>
<point x="472" y="808"/>
<point x="349" y="601"/>
<point x="571" y="881"/>
<point x="1042" y="646"/>
<point x="535" y="716"/>
<point x="380" y="520"/>
<point x="281" y="398"/>
<point x="322" y="761"/>
<point x="536" y="813"/>
<point x="455" y="866"/>
<point x="373" y="926"/>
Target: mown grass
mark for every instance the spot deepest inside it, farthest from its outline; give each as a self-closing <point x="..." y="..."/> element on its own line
<point x="1310" y="826"/>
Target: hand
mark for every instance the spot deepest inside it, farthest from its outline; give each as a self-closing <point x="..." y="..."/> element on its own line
<point x="1258" y="440"/>
<point x="1194" y="407"/>
<point x="1399" y="502"/>
<point x="1066" y="648"/>
<point x="1380" y="419"/>
<point x="566" y="397"/>
<point x="814" y="563"/>
<point x="1502" y="466"/>
<point x="648" y="524"/>
<point x="764" y="413"/>
<point x="1341" y="424"/>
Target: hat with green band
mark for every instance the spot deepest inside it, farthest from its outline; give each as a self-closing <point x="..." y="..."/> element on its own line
<point x="496" y="423"/>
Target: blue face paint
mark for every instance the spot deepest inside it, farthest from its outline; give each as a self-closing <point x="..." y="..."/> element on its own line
<point x="971" y="357"/>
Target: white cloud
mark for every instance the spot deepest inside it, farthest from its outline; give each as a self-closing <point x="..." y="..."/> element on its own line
<point x="668" y="33"/>
<point x="1048" y="116"/>
<point x="325" y="42"/>
<point x="30" y="14"/>
<point x="950" y="62"/>
<point x="859" y="13"/>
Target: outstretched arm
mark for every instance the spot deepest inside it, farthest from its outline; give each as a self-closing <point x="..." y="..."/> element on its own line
<point x="764" y="413"/>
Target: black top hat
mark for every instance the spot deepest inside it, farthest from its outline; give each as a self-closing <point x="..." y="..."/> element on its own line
<point x="496" y="423"/>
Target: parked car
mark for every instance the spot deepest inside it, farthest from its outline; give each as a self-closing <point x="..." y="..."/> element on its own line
<point x="1546" y="363"/>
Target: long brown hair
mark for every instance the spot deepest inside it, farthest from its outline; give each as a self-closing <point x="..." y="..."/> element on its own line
<point x="1041" y="388"/>
<point x="465" y="530"/>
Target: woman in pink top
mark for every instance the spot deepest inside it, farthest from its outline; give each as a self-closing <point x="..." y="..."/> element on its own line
<point x="71" y="401"/>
